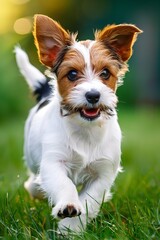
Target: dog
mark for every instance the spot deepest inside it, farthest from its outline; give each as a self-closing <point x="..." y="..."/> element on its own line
<point x="72" y="135"/>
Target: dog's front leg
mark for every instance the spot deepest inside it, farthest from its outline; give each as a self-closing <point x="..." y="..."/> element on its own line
<point x="93" y="196"/>
<point x="95" y="191"/>
<point x="91" y="199"/>
<point x="98" y="188"/>
<point x="59" y="189"/>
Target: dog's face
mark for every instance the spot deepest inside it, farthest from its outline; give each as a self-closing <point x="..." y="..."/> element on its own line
<point x="87" y="71"/>
<point x="87" y="79"/>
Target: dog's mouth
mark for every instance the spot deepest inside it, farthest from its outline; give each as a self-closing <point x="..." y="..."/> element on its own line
<point x="90" y="113"/>
<point x="87" y="113"/>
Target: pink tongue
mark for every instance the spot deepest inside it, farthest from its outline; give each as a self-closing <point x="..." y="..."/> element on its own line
<point x="91" y="112"/>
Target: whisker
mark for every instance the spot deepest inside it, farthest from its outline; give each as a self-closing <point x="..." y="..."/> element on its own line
<point x="68" y="109"/>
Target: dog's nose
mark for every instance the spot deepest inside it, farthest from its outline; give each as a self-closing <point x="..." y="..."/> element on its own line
<point x="92" y="96"/>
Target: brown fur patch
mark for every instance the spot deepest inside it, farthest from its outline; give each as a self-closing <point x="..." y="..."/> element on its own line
<point x="121" y="37"/>
<point x="103" y="58"/>
<point x="73" y="60"/>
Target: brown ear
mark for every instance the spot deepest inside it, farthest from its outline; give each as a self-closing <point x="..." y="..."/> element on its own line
<point x="49" y="37"/>
<point x="120" y="37"/>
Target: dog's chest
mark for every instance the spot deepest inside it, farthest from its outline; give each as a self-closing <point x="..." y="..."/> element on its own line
<point x="83" y="168"/>
<point x="86" y="149"/>
<point x="85" y="162"/>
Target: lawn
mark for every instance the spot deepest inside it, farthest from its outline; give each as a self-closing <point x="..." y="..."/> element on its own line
<point x="133" y="212"/>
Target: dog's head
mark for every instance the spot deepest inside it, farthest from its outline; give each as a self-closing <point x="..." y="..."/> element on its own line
<point x="87" y="71"/>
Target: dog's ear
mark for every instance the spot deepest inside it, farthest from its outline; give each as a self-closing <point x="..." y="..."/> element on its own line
<point x="49" y="37"/>
<point x="120" y="37"/>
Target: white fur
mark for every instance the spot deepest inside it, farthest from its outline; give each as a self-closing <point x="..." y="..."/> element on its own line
<point x="32" y="75"/>
<point x="64" y="152"/>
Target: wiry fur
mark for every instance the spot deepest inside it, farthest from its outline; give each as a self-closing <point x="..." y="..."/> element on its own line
<point x="65" y="147"/>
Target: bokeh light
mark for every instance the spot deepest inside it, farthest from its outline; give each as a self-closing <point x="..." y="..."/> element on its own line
<point x="20" y="1"/>
<point x="23" y="26"/>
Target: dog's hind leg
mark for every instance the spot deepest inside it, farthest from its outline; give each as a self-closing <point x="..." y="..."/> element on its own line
<point x="33" y="187"/>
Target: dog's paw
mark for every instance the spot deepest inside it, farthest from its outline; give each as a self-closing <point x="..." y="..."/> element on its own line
<point x="63" y="210"/>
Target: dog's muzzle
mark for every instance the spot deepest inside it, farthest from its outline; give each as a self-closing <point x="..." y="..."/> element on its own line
<point x="90" y="110"/>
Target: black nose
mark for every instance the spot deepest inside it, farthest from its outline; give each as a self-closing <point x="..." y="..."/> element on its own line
<point x="92" y="96"/>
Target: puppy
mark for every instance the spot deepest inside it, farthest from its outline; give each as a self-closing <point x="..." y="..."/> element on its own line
<point x="72" y="136"/>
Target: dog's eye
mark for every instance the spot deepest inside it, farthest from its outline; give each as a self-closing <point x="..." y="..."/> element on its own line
<point x="72" y="75"/>
<point x="105" y="74"/>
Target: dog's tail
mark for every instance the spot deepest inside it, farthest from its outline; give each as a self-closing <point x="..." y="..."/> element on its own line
<point x="37" y="81"/>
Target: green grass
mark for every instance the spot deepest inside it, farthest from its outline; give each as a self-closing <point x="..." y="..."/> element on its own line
<point x="133" y="212"/>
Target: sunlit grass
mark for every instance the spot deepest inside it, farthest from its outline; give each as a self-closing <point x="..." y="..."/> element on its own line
<point x="134" y="211"/>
